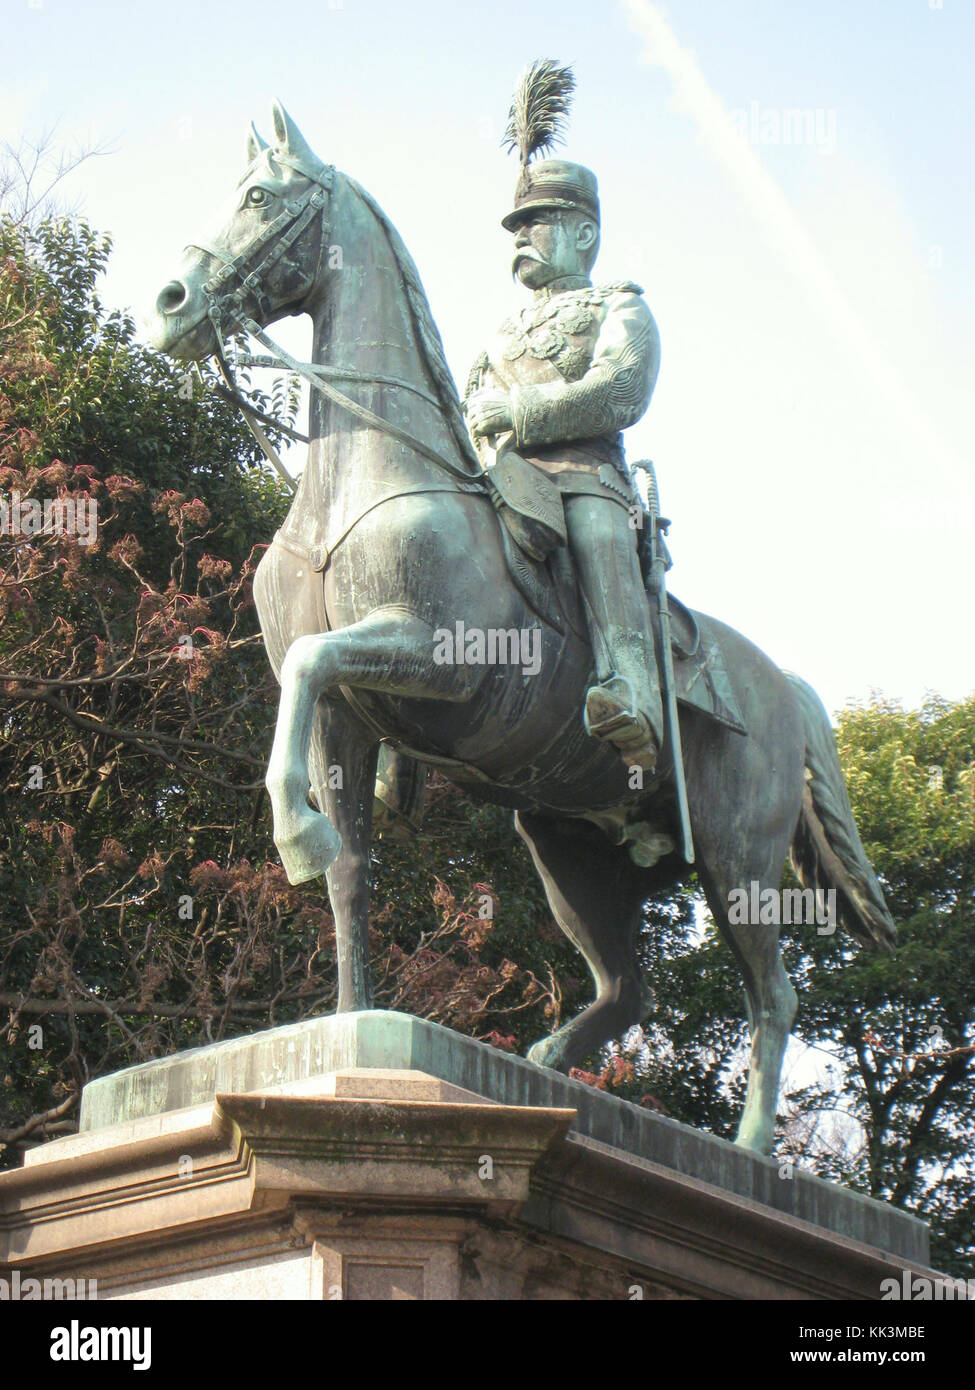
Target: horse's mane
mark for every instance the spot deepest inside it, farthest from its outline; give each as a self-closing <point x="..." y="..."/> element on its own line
<point x="427" y="333"/>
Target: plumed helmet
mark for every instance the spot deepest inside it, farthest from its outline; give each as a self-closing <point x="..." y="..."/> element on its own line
<point x="535" y="123"/>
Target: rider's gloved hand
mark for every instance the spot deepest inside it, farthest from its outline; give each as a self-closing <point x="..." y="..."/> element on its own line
<point x="489" y="412"/>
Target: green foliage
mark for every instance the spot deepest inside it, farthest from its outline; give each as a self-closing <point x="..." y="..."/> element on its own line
<point x="147" y="762"/>
<point x="904" y="1026"/>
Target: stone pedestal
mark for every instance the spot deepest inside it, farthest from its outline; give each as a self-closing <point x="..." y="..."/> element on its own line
<point x="377" y="1156"/>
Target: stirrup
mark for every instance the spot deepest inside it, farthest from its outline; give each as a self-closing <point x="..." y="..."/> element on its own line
<point x="608" y="717"/>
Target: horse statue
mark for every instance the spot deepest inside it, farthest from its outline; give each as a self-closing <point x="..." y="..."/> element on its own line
<point x="393" y="541"/>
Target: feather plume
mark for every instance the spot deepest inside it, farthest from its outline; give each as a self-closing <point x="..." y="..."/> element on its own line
<point x="540" y="108"/>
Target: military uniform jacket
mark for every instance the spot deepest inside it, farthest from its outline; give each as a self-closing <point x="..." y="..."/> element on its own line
<point x="579" y="366"/>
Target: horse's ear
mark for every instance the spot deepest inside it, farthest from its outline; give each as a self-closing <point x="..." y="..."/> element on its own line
<point x="254" y="144"/>
<point x="289" y="138"/>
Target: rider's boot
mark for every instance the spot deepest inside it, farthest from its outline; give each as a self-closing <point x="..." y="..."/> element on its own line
<point x="625" y="706"/>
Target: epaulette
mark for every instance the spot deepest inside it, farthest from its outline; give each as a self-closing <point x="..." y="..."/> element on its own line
<point x="621" y="287"/>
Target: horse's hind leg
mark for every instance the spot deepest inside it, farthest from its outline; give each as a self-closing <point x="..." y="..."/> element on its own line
<point x="769" y="996"/>
<point x="595" y="893"/>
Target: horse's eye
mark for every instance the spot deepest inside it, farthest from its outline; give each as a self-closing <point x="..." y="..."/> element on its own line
<point x="257" y="197"/>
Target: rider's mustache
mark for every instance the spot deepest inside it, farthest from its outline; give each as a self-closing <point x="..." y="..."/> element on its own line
<point x="528" y="253"/>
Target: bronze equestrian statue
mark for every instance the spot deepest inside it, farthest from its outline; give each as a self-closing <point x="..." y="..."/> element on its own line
<point x="399" y="537"/>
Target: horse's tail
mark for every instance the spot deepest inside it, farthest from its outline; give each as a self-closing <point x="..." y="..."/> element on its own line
<point x="826" y="849"/>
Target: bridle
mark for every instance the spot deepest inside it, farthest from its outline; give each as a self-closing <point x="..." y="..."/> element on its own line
<point x="274" y="240"/>
<point x="226" y="312"/>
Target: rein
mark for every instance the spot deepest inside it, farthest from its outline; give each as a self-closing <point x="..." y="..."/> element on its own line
<point x="227" y="307"/>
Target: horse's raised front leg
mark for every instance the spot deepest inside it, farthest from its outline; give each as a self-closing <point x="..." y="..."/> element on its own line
<point x="390" y="651"/>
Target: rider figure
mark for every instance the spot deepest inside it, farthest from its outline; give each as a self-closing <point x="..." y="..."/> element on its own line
<point x="572" y="370"/>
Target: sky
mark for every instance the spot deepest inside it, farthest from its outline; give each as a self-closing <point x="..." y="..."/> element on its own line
<point x="791" y="185"/>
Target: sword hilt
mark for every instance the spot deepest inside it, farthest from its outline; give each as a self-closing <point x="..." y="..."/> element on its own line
<point x="653" y="497"/>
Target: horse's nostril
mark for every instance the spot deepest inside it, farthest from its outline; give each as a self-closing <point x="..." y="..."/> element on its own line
<point x="172" y="298"/>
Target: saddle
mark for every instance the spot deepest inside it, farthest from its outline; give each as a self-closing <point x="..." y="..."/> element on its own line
<point x="531" y="511"/>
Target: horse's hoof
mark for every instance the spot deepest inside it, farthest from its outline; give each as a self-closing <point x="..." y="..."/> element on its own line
<point x="546" y="1053"/>
<point x="312" y="851"/>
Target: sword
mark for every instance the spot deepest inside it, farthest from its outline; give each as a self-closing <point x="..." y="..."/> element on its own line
<point x="658" y="585"/>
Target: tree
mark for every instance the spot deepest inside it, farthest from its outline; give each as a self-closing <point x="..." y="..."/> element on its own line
<point x="904" y="1027"/>
<point x="31" y="175"/>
